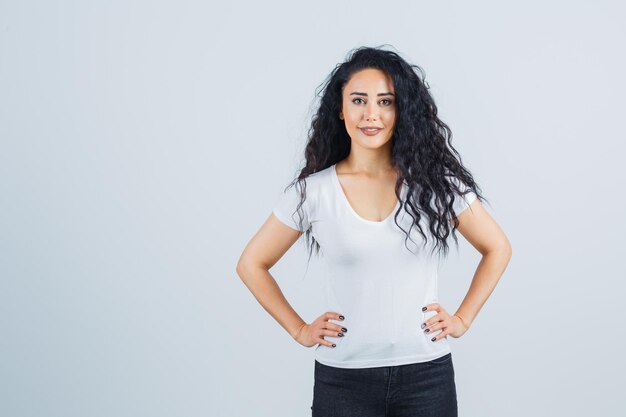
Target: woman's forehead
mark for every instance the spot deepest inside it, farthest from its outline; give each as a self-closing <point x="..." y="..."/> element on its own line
<point x="369" y="80"/>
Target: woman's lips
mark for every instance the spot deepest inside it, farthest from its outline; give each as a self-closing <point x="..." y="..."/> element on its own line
<point x="370" y="132"/>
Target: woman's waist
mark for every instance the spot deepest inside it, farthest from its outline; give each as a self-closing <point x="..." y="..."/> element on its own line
<point x="411" y="344"/>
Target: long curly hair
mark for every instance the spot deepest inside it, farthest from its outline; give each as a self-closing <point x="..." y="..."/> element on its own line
<point x="422" y="151"/>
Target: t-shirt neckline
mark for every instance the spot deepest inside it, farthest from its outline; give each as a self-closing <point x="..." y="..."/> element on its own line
<point x="344" y="198"/>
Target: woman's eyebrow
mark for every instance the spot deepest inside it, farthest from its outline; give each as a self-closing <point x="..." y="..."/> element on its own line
<point x="357" y="93"/>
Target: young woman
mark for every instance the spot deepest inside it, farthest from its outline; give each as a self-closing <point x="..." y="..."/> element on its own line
<point x="379" y="196"/>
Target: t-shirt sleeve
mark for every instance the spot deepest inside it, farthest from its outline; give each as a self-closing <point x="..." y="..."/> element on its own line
<point x="285" y="209"/>
<point x="462" y="202"/>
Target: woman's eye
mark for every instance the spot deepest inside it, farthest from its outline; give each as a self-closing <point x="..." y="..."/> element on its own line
<point x="385" y="101"/>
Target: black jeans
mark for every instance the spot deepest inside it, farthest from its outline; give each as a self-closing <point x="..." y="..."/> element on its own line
<point x="424" y="389"/>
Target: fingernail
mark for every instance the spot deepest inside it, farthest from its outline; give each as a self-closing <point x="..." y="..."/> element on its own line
<point x="427" y="330"/>
<point x="340" y="334"/>
<point x="341" y="317"/>
<point x="343" y="329"/>
<point x="433" y="339"/>
<point x="424" y="308"/>
<point x="423" y="325"/>
<point x="334" y="345"/>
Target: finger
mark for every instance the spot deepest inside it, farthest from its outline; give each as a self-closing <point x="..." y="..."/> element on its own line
<point x="443" y="324"/>
<point x="334" y="328"/>
<point x="440" y="336"/>
<point x="433" y="307"/>
<point x="426" y="324"/>
<point x="432" y="320"/>
<point x="325" y="342"/>
<point x="331" y="315"/>
<point x="441" y="319"/>
<point x="333" y="333"/>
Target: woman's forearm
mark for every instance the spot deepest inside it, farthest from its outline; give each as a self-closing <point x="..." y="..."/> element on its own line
<point x="487" y="275"/>
<point x="267" y="292"/>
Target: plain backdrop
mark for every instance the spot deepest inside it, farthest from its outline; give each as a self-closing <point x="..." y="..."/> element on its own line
<point x="143" y="143"/>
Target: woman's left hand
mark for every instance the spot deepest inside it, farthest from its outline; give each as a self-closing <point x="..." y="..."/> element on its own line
<point x="449" y="325"/>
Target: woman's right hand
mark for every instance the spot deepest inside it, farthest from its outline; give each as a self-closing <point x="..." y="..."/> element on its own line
<point x="311" y="334"/>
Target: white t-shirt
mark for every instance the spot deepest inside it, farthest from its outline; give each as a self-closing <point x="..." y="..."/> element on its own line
<point x="372" y="279"/>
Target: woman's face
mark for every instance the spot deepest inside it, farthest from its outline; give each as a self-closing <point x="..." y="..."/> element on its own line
<point x="369" y="101"/>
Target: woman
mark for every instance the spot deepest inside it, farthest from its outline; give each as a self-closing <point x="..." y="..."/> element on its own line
<point x="380" y="194"/>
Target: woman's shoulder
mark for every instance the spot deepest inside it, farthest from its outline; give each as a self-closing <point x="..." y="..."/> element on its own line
<point x="319" y="180"/>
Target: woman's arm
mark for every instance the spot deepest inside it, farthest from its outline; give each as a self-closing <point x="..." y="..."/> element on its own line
<point x="265" y="248"/>
<point x="482" y="232"/>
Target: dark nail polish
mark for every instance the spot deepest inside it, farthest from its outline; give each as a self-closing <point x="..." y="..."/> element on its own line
<point x="340" y="334"/>
<point x="427" y="330"/>
<point x="424" y="308"/>
<point x="423" y="325"/>
<point x="433" y="339"/>
<point x="334" y="345"/>
<point x="343" y="329"/>
<point x="341" y="317"/>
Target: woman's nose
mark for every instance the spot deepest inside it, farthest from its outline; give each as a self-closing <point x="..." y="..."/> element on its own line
<point x="371" y="113"/>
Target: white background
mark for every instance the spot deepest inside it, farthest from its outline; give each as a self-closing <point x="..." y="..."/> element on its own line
<point x="142" y="144"/>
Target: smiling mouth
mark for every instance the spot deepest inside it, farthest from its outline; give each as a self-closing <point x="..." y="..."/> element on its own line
<point x="370" y="132"/>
